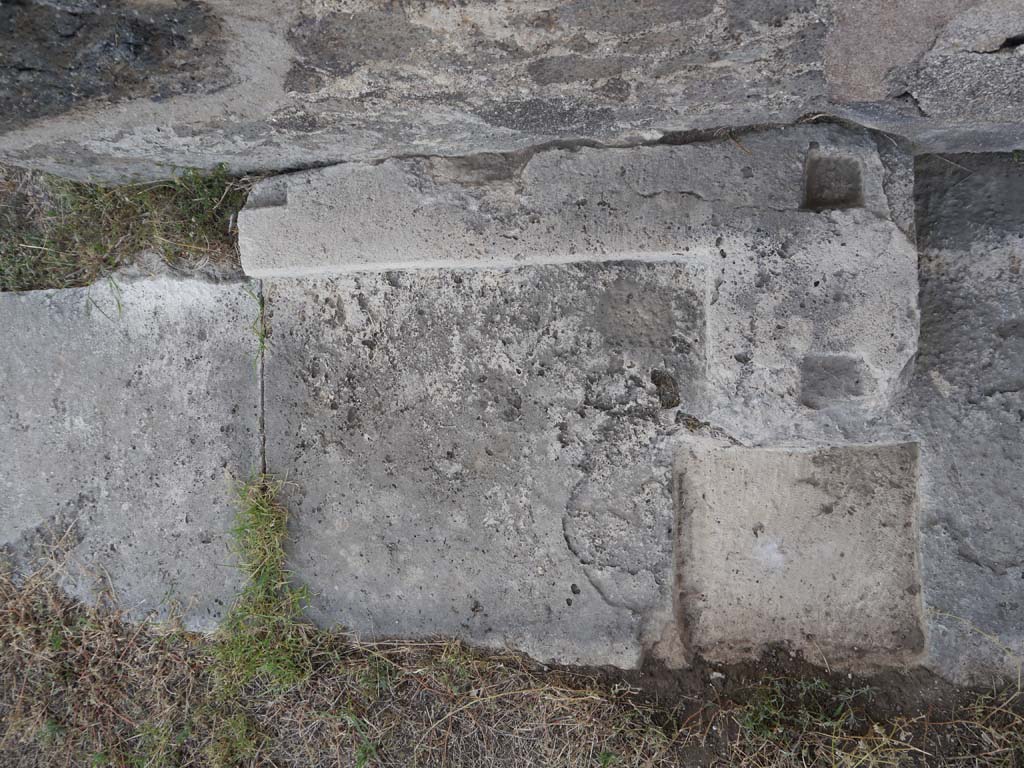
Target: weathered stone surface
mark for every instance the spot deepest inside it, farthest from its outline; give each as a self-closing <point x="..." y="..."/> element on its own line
<point x="812" y="290"/>
<point x="128" y="410"/>
<point x="812" y="549"/>
<point x="966" y="402"/>
<point x="812" y="325"/>
<point x="487" y="454"/>
<point x="56" y="55"/>
<point x="327" y="81"/>
<point x="915" y="65"/>
<point x="874" y="41"/>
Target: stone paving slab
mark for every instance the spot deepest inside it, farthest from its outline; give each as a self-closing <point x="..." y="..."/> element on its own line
<point x="127" y="412"/>
<point x="804" y="232"/>
<point x="486" y="455"/>
<point x="812" y="549"/>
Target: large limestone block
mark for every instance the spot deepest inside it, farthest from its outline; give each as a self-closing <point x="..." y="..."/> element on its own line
<point x="811" y="549"/>
<point x="485" y="454"/>
<point x="803" y="232"/>
<point x="127" y="412"/>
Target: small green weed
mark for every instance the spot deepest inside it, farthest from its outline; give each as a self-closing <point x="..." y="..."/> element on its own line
<point x="52" y="733"/>
<point x="259" y="326"/>
<point x="365" y="753"/>
<point x="157" y="746"/>
<point x="378" y="676"/>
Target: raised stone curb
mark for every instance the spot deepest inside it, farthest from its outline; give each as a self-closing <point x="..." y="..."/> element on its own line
<point x="558" y="205"/>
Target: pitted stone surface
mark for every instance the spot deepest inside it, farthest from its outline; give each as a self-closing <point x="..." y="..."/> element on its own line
<point x="814" y="549"/>
<point x="966" y="401"/>
<point x="812" y="325"/>
<point x="812" y="286"/>
<point x="304" y="84"/>
<point x="487" y="454"/>
<point x="128" y="411"/>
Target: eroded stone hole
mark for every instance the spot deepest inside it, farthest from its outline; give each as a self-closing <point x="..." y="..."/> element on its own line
<point x="1012" y="43"/>
<point x="833" y="379"/>
<point x="270" y="195"/>
<point x="832" y="181"/>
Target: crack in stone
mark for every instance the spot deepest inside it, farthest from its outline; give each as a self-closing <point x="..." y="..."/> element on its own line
<point x="908" y="97"/>
<point x="517" y="159"/>
<point x="675" y="192"/>
<point x="588" y="564"/>
<point x="262" y="419"/>
<point x="965" y="551"/>
<point x="693" y="424"/>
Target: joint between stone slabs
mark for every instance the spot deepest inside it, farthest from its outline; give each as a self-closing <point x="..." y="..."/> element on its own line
<point x="262" y="352"/>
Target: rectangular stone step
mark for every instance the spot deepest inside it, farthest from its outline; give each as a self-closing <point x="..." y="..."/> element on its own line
<point x="561" y="205"/>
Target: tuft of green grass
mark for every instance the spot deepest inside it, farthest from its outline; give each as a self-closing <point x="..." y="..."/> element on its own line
<point x="158" y="745"/>
<point x="56" y="233"/>
<point x="234" y="740"/>
<point x="263" y="637"/>
<point x="259" y="327"/>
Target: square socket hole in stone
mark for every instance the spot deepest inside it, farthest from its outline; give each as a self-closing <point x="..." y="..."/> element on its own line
<point x="832" y="181"/>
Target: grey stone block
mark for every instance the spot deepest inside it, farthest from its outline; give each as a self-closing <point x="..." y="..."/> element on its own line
<point x="811" y="549"/>
<point x="792" y="299"/>
<point x="128" y="411"/>
<point x="871" y="40"/>
<point x="966" y="402"/>
<point x="487" y="455"/>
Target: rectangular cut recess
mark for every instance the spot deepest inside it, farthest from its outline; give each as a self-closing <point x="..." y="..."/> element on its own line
<point x="814" y="549"/>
